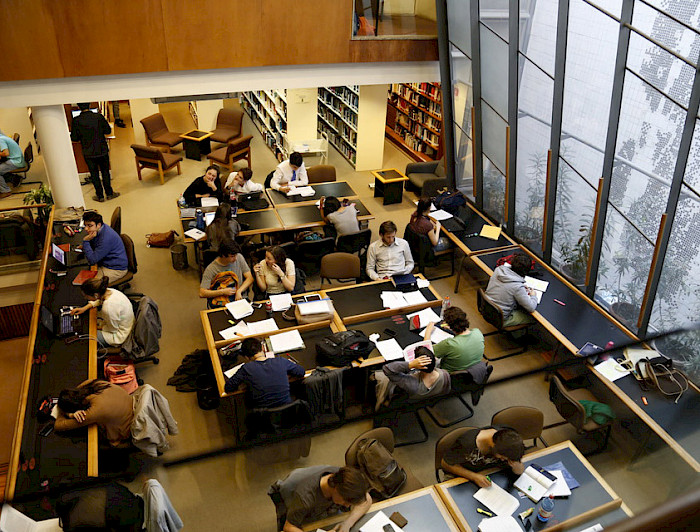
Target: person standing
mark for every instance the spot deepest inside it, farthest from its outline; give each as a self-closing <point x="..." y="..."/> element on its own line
<point x="90" y="129"/>
<point x="12" y="159"/>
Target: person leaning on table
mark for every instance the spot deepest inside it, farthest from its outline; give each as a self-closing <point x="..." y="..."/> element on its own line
<point x="462" y="351"/>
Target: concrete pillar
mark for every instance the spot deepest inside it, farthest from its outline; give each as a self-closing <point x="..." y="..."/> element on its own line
<point x="371" y="117"/>
<point x="302" y="115"/>
<point x="207" y="111"/>
<point x="57" y="152"/>
<point x="141" y="108"/>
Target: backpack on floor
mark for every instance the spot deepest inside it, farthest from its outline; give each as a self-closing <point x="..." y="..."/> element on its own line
<point x="384" y="474"/>
<point x="341" y="348"/>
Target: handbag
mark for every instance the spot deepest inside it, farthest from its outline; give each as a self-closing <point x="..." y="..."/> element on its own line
<point x="659" y="374"/>
<point x="161" y="240"/>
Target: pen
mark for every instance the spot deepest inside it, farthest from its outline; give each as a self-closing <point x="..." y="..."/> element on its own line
<point x="293" y="359"/>
<point x="479" y="510"/>
<point x="644" y="400"/>
<point x="559" y="302"/>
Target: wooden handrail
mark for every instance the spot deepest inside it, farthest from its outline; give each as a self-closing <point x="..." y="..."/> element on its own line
<point x="546" y="201"/>
<point x="32" y="206"/>
<point x="654" y="260"/>
<point x="594" y="229"/>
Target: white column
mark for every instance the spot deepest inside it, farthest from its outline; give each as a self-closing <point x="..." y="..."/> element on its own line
<point x="302" y="114"/>
<point x="57" y="152"/>
<point x="207" y="111"/>
<point x="141" y="108"/>
<point x="371" y="119"/>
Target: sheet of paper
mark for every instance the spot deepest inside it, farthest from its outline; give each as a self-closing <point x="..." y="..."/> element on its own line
<point x="426" y="315"/>
<point x="437" y="336"/>
<point x="423" y="283"/>
<point x="500" y="523"/>
<point x="209" y="217"/>
<point x="498" y="500"/>
<point x="281" y="302"/>
<point x="301" y="191"/>
<point x="230" y="373"/>
<point x="410" y="352"/>
<point x="286" y="341"/>
<point x="235" y="331"/>
<point x="611" y="370"/>
<point x="239" y="309"/>
<point x="260" y="327"/>
<point x="537" y="284"/>
<point x="187" y="212"/>
<point x="13" y="520"/>
<point x="210" y="202"/>
<point x="195" y="233"/>
<point x="432" y="207"/>
<point x="390" y="349"/>
<point x="559" y="488"/>
<point x="414" y="298"/>
<point x="313" y="307"/>
<point x="440" y="215"/>
<point x="595" y="528"/>
<point x="378" y="522"/>
<point x="490" y="231"/>
<point x="393" y="299"/>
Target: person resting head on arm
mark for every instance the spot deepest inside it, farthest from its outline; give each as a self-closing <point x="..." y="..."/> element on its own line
<point x="276" y="273"/>
<point x="104" y="247"/>
<point x="340" y="217"/>
<point x="241" y="182"/>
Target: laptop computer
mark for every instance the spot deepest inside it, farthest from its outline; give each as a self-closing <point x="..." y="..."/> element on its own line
<point x="67" y="257"/>
<point x="62" y="324"/>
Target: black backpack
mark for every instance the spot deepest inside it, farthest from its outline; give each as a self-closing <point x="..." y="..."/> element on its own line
<point x="384" y="474"/>
<point x="341" y="348"/>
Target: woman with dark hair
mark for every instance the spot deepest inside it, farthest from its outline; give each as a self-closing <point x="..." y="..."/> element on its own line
<point x="96" y="402"/>
<point x="223" y="227"/>
<point x="341" y="218"/>
<point x="462" y="351"/>
<point x="275" y="274"/>
<point x="205" y="186"/>
<point x="116" y="311"/>
<point x="422" y="224"/>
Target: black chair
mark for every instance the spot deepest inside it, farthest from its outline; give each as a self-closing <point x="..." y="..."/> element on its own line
<point x="28" y="159"/>
<point x="424" y="255"/>
<point x="308" y="254"/>
<point x="268" y="179"/>
<point x="356" y="243"/>
<point x="493" y="314"/>
<point x="288" y="420"/>
<point x="289" y="249"/>
<point x="116" y="221"/>
<point x="123" y="283"/>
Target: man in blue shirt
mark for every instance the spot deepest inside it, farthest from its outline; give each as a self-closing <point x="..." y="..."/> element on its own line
<point x="267" y="378"/>
<point x="104" y="247"/>
<point x="11" y="158"/>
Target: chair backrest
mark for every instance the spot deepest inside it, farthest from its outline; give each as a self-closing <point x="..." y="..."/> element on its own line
<point x="268" y="179"/>
<point x="443" y="445"/>
<point x="130" y="253"/>
<point x="340" y="266"/>
<point x="355" y="242"/>
<point x="154" y="125"/>
<point x="472" y="380"/>
<point x="238" y="145"/>
<point x="526" y="420"/>
<point x="29" y="154"/>
<point x="230" y="118"/>
<point x="149" y="153"/>
<point x="315" y="248"/>
<point x="321" y="173"/>
<point x="383" y="434"/>
<point x="491" y="312"/>
<point x="292" y="417"/>
<point x="420" y="245"/>
<point x="15" y="137"/>
<point x="116" y="221"/>
<point x="567" y="406"/>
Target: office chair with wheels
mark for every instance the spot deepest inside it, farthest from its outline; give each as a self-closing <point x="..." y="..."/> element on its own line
<point x="355" y="243"/>
<point x="343" y="267"/>
<point x="141" y="345"/>
<point x="526" y="420"/>
<point x="15" y="137"/>
<point x="132" y="267"/>
<point x="308" y="254"/>
<point x="288" y="420"/>
<point x="424" y="254"/>
<point x="28" y="160"/>
<point x="493" y="314"/>
<point x="443" y="445"/>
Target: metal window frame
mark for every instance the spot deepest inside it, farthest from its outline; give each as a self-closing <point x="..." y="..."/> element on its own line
<point x="448" y="119"/>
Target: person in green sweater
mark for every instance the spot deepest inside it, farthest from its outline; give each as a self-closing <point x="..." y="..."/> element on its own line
<point x="462" y="351"/>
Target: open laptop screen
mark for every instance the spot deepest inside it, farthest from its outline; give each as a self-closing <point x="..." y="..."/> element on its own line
<point x="58" y="254"/>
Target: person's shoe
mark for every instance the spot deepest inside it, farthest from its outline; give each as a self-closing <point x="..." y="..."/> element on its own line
<point x="119" y="123"/>
<point x="113" y="195"/>
<point x="97" y="198"/>
<point x="86" y="182"/>
<point x="5" y="194"/>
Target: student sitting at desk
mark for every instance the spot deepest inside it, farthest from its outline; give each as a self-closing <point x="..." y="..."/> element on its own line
<point x="267" y="378"/>
<point x="463" y="350"/>
<point x="227" y="277"/>
<point x="276" y="274"/>
<point x="419" y="378"/>
<point x="104" y="247"/>
<point x="96" y="402"/>
<point x="421" y="224"/>
<point x="340" y="218"/>
<point x="223" y="227"/>
<point x="312" y="493"/>
<point x="116" y="311"/>
<point x="290" y="173"/>
<point x="479" y="449"/>
<point x="390" y="255"/>
<point x="205" y="186"/>
<point x="241" y="183"/>
<point x="507" y="289"/>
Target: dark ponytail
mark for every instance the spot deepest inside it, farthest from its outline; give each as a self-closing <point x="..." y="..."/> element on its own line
<point x="95" y="287"/>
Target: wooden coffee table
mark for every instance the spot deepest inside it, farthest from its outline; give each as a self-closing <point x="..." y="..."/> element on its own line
<point x="388" y="183"/>
<point x="196" y="143"/>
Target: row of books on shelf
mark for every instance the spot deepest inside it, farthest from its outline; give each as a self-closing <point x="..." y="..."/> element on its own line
<point x="418" y="115"/>
<point x="337" y="141"/>
<point x="416" y="144"/>
<point x="348" y="114"/>
<point x="271" y="134"/>
<point x="348" y="95"/>
<point x="429" y="89"/>
<point x="266" y="106"/>
<point x="338" y="125"/>
<point x="419" y="100"/>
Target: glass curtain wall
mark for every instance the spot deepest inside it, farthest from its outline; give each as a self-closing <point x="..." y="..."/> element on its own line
<point x="620" y="92"/>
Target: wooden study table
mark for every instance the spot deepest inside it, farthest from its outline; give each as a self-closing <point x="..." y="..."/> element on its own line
<point x="594" y="501"/>
<point x="339" y="189"/>
<point x="309" y="216"/>
<point x="39" y="462"/>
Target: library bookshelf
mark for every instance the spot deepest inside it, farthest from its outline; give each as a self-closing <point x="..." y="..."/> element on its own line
<point x="338" y="111"/>
<point x="268" y="111"/>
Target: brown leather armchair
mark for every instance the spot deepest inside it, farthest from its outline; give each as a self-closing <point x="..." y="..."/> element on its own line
<point x="232" y="152"/>
<point x="148" y="157"/>
<point x="229" y="125"/>
<point x="158" y="134"/>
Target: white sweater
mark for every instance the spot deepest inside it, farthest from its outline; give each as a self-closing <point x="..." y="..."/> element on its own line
<point x="118" y="317"/>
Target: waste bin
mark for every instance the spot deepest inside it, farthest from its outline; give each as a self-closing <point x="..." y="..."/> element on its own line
<point x="207" y="392"/>
<point x="178" y="252"/>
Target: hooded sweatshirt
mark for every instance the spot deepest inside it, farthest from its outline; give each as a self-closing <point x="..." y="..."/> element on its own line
<point x="507" y="289"/>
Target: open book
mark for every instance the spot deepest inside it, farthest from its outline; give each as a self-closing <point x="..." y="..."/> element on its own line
<point x="535" y="482"/>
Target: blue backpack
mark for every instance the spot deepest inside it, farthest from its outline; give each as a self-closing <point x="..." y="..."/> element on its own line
<point x="450" y="201"/>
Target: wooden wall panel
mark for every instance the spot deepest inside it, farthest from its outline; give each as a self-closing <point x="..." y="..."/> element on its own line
<point x="367" y="51"/>
<point x="100" y="37"/>
<point x="15" y="320"/>
<point x="27" y="52"/>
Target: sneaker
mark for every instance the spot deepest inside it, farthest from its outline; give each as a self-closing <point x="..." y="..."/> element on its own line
<point x="113" y="195"/>
<point x="96" y="198"/>
<point x="5" y="194"/>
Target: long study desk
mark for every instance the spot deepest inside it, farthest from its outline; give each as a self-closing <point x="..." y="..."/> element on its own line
<point x="37" y="462"/>
<point x="339" y="189"/>
<point x="464" y="228"/>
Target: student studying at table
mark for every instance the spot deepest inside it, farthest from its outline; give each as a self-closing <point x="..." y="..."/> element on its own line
<point x="275" y="274"/>
<point x="507" y="289"/>
<point x="223" y="227"/>
<point x="227" y="277"/>
<point x="340" y="218"/>
<point x="104" y="247"/>
<point x="290" y="173"/>
<point x="241" y="183"/>
<point x="462" y="351"/>
<point x="421" y="224"/>
<point x="390" y="255"/>
<point x="205" y="186"/>
<point x="485" y="448"/>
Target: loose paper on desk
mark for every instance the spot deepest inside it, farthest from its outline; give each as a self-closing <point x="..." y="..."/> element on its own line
<point x="414" y="298"/>
<point x="500" y="523"/>
<point x="13" y="520"/>
<point x="440" y="215"/>
<point x="195" y="233"/>
<point x="611" y="370"/>
<point x="378" y="522"/>
<point x="239" y="309"/>
<point x="286" y="341"/>
<point x="281" y="302"/>
<point x="260" y="327"/>
<point x="498" y="500"/>
<point x="490" y="231"/>
<point x="393" y="299"/>
<point x="423" y="283"/>
<point x="432" y="207"/>
<point x="559" y="488"/>
<point x="427" y="315"/>
<point x="390" y="349"/>
<point x="209" y="217"/>
<point x="314" y="307"/>
<point x="235" y="331"/>
<point x="210" y="202"/>
<point x="301" y="191"/>
<point x="230" y="373"/>
<point x="437" y="336"/>
<point x="187" y="212"/>
<point x="410" y="352"/>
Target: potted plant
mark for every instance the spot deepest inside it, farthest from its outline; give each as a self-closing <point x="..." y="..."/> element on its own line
<point x="38" y="196"/>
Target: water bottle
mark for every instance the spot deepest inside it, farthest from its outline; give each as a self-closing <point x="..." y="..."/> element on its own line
<point x="546" y="509"/>
<point x="181" y="202"/>
<point x="445" y="306"/>
<point x="199" y="218"/>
